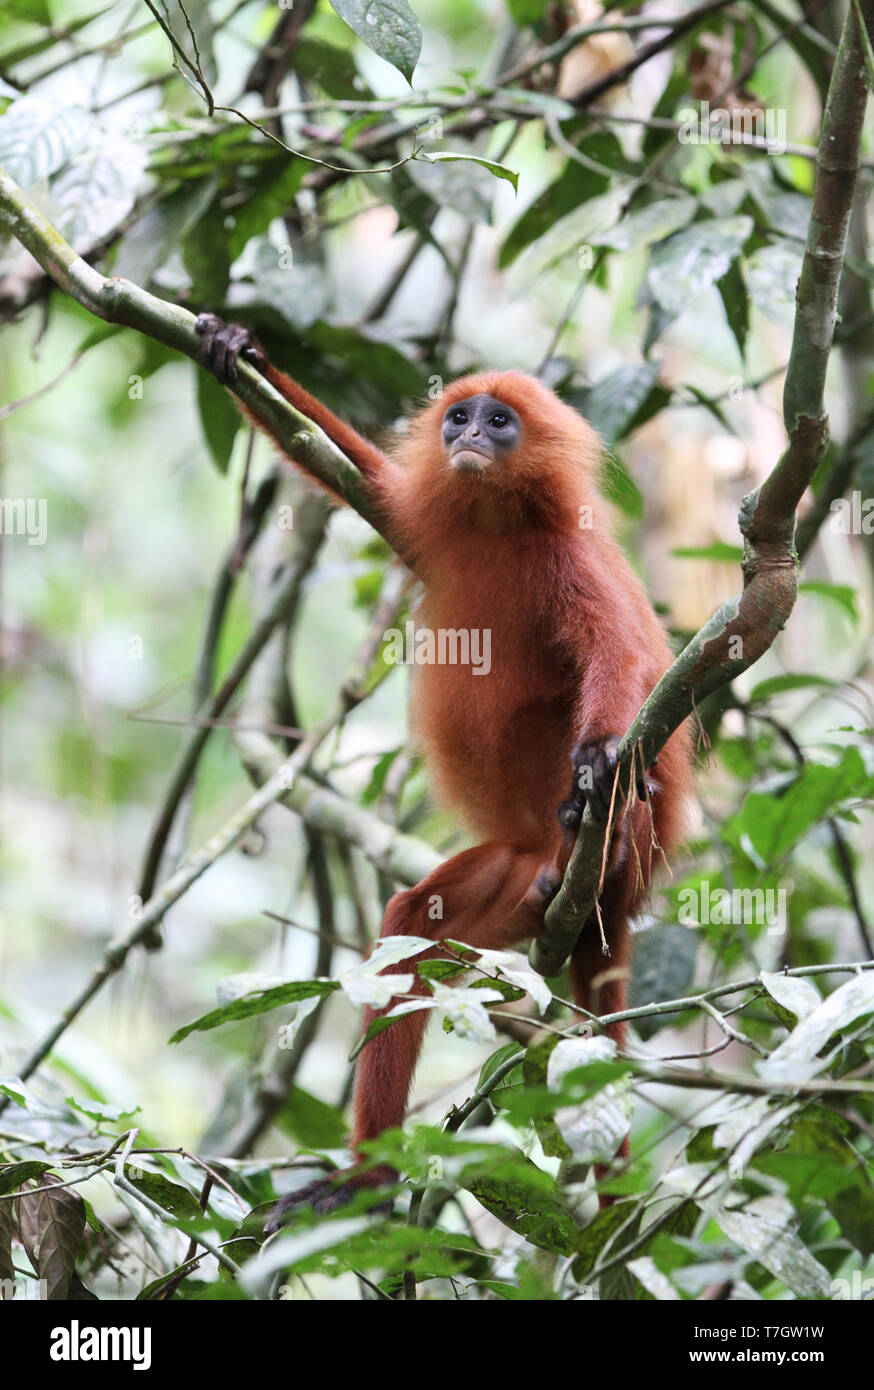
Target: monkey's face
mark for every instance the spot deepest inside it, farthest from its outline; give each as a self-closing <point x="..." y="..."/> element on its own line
<point x="479" y="433"/>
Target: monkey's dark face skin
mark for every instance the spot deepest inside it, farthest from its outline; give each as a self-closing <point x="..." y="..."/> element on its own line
<point x="479" y="432"/>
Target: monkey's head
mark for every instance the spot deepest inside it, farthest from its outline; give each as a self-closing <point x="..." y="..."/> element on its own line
<point x="480" y="432"/>
<point x="503" y="440"/>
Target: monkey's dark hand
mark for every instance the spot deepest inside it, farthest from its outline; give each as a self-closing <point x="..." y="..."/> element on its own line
<point x="328" y="1194"/>
<point x="594" y="771"/>
<point x="223" y="345"/>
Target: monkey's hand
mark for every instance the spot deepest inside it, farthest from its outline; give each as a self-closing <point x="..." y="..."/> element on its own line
<point x="327" y="1194"/>
<point x="223" y="345"/>
<point x="594" y="772"/>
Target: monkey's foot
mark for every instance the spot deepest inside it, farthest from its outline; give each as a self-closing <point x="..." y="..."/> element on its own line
<point x="328" y="1194"/>
<point x="546" y="884"/>
<point x="594" y="772"/>
<point x="224" y="344"/>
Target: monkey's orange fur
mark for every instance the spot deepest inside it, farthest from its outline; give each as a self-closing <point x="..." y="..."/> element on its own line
<point x="525" y="551"/>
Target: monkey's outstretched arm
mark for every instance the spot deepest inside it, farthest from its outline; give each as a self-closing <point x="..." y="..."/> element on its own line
<point x="224" y="343"/>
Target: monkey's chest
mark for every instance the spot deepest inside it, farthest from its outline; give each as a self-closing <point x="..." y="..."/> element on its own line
<point x="492" y="704"/>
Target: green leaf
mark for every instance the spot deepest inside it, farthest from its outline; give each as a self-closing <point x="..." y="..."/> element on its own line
<point x="624" y="399"/>
<point x="31" y="11"/>
<point x="853" y="1209"/>
<point x="776" y="685"/>
<point x="441" y="969"/>
<point x="527" y="13"/>
<point x="719" y="550"/>
<point x="104" y="1114"/>
<point x="388" y="27"/>
<point x="774" y="823"/>
<point x="207" y="258"/>
<point x="534" y="1070"/>
<point x="649" y="224"/>
<point x="619" y="487"/>
<point x="497" y="1059"/>
<point x="691" y="261"/>
<point x="370" y="358"/>
<point x="842" y="594"/>
<point x="500" y="171"/>
<point x="312" y="1122"/>
<point x="12" y="1175"/>
<point x="525" y="1198"/>
<point x="733" y="290"/>
<point x="573" y="188"/>
<point x="218" y="416"/>
<point x="38" y="136"/>
<point x="260" y="1003"/>
<point x="662" y="967"/>
<point x="594" y="1241"/>
<point x="331" y="67"/>
<point x="271" y="195"/>
<point x="172" y="1196"/>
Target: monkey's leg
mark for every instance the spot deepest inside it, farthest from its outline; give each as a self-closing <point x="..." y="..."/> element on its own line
<point x="482" y="897"/>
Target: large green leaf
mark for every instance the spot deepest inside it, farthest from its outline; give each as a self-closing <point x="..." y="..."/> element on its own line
<point x="575" y="186"/>
<point x="260" y="1003"/>
<point x="691" y="261"/>
<point x="38" y="136"/>
<point x="649" y="224"/>
<point x="624" y="399"/>
<point x="218" y="416"/>
<point x="771" y="824"/>
<point x="662" y="967"/>
<point x="312" y="1122"/>
<point x="389" y="27"/>
<point x="525" y="1198"/>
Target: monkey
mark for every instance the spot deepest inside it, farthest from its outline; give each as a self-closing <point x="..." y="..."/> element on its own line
<point x="492" y="499"/>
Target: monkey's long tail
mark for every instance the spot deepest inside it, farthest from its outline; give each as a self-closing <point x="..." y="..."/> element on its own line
<point x="478" y="897"/>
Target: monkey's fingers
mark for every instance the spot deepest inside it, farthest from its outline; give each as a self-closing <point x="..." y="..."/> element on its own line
<point x="570" y="813"/>
<point x="223" y="344"/>
<point x="594" y="763"/>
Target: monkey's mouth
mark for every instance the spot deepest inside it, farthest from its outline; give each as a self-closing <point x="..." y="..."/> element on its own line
<point x="469" y="460"/>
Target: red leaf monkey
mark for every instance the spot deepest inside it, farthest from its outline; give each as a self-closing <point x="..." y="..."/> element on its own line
<point x="491" y="495"/>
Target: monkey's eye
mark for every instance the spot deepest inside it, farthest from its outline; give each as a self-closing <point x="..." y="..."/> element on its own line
<point x="458" y="417"/>
<point x="499" y="420"/>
